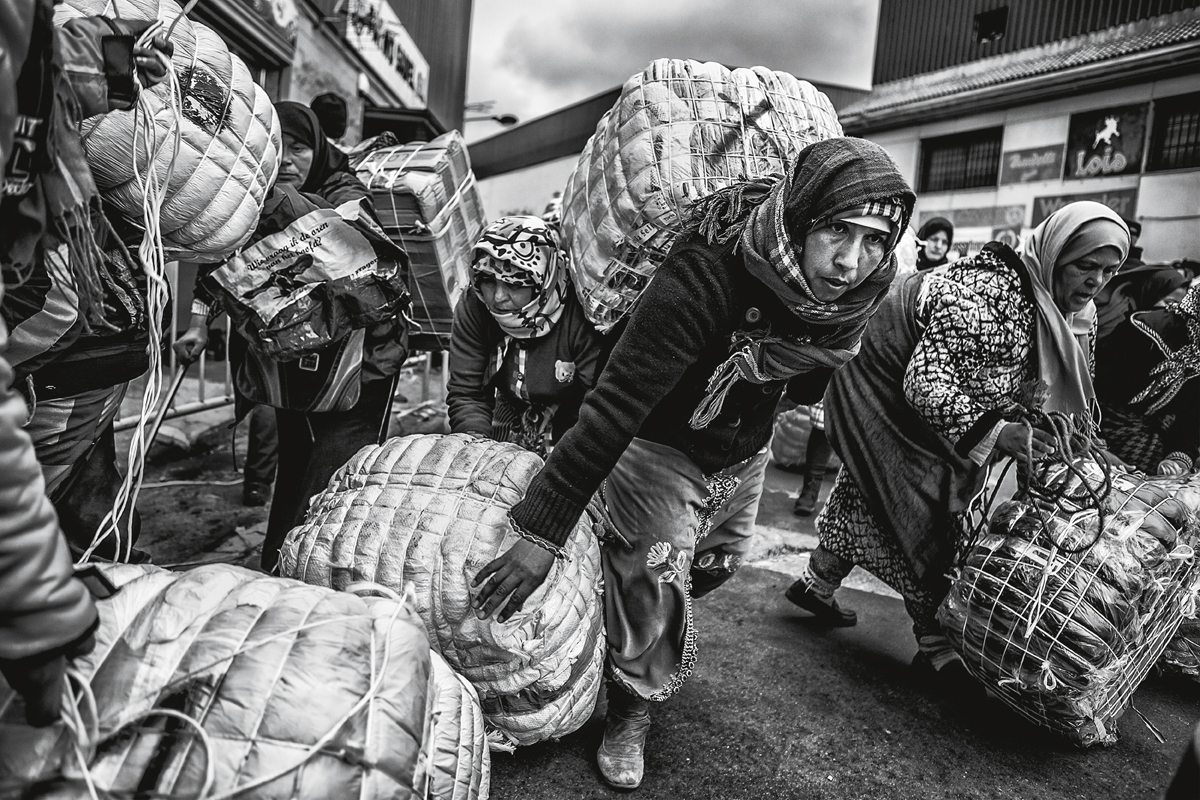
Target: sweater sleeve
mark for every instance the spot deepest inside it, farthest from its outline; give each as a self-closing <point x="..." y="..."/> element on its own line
<point x="680" y="316"/>
<point x="469" y="400"/>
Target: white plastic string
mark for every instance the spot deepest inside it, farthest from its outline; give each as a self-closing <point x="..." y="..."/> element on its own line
<point x="152" y="254"/>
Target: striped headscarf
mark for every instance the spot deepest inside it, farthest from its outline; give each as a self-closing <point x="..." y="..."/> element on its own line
<point x="770" y="218"/>
<point x="523" y="251"/>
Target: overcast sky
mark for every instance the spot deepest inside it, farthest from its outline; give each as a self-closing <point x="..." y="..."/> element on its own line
<point x="535" y="56"/>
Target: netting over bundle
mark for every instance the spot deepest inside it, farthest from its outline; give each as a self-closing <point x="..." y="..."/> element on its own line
<point x="680" y="131"/>
<point x="226" y="682"/>
<point x="1063" y="613"/>
<point x="427" y="201"/>
<point x="229" y="154"/>
<point x="427" y="513"/>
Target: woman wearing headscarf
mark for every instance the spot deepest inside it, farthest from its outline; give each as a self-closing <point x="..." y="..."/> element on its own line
<point x="1140" y="288"/>
<point x="932" y="399"/>
<point x="1148" y="383"/>
<point x="311" y="444"/>
<point x="522" y="353"/>
<point x="935" y="238"/>
<point x="771" y="288"/>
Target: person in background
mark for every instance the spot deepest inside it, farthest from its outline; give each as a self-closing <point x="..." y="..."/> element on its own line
<point x="817" y="454"/>
<point x="770" y="288"/>
<point x="1138" y="288"/>
<point x="332" y="113"/>
<point x="46" y="73"/>
<point x="311" y="444"/>
<point x="927" y="404"/>
<point x="1135" y="253"/>
<point x="935" y="238"/>
<point x="522" y="353"/>
<point x="1148" y="384"/>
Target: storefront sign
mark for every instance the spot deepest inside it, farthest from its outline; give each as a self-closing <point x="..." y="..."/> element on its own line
<point x="1122" y="201"/>
<point x="1107" y="142"/>
<point x="986" y="217"/>
<point x="1033" y="164"/>
<point x="374" y="30"/>
<point x="282" y="15"/>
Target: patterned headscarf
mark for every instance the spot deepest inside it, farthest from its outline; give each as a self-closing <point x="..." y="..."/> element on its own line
<point x="1064" y="341"/>
<point x="523" y="251"/>
<point x="770" y="218"/>
<point x="1178" y="366"/>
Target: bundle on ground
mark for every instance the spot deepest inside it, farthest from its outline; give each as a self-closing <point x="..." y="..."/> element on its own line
<point x="1063" y="618"/>
<point x="427" y="512"/>
<point x="230" y="139"/>
<point x="224" y="682"/>
<point x="427" y="201"/>
<point x="679" y="131"/>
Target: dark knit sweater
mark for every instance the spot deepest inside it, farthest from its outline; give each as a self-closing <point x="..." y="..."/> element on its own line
<point x="678" y="334"/>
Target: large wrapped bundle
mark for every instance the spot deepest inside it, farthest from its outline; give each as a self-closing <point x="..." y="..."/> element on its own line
<point x="427" y="200"/>
<point x="680" y="131"/>
<point x="229" y="153"/>
<point x="223" y="681"/>
<point x="427" y="512"/>
<point x="1183" y="652"/>
<point x="1062" y="614"/>
<point x="790" y="439"/>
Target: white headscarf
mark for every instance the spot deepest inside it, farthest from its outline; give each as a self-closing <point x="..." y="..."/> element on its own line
<point x="1063" y="340"/>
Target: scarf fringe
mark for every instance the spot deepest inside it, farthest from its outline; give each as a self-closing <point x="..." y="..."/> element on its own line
<point x="722" y="216"/>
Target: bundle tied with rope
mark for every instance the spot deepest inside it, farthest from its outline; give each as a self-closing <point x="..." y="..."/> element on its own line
<point x="1063" y="598"/>
<point x="222" y="682"/>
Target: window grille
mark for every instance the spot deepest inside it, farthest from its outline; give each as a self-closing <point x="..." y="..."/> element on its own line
<point x="1175" y="143"/>
<point x="962" y="161"/>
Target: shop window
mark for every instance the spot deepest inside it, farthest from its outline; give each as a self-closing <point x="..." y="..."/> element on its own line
<point x="962" y="161"/>
<point x="990" y="25"/>
<point x="1175" y="143"/>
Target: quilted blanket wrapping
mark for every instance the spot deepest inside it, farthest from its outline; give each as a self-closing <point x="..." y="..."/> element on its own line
<point x="427" y="201"/>
<point x="426" y="513"/>
<point x="229" y="151"/>
<point x="679" y="131"/>
<point x="221" y="681"/>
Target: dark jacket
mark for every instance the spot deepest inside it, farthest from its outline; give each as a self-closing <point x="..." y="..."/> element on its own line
<point x="494" y="378"/>
<point x="678" y="334"/>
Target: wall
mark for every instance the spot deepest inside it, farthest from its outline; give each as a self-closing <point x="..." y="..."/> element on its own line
<point x="321" y="65"/>
<point x="1167" y="203"/>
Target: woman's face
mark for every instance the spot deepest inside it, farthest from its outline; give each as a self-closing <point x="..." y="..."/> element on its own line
<point x="502" y="297"/>
<point x="296" y="162"/>
<point x="937" y="245"/>
<point x="840" y="256"/>
<point x="1075" y="284"/>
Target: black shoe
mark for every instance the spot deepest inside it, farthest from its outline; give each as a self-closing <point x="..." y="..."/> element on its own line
<point x="828" y="611"/>
<point x="806" y="502"/>
<point x="255" y="495"/>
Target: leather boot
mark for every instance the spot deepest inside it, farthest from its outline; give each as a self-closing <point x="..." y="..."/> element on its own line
<point x="621" y="756"/>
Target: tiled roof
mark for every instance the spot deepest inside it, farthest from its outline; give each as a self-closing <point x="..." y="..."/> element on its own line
<point x="1123" y="40"/>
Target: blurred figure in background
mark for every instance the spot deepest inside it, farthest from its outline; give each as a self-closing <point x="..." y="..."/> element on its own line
<point x="332" y="113"/>
<point x="934" y="240"/>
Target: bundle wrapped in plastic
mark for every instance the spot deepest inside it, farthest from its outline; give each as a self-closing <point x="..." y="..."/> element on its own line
<point x="1063" y="613"/>
<point x="223" y="682"/>
<point x="680" y="131"/>
<point x="427" y="513"/>
<point x="229" y="153"/>
<point x="790" y="438"/>
<point x="1183" y="652"/>
<point x="427" y="201"/>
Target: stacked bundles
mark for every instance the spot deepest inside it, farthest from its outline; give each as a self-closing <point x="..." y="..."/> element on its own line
<point x="222" y="680"/>
<point x="229" y="153"/>
<point x="427" y="513"/>
<point x="427" y="201"/>
<point x="1061" y="618"/>
<point x="680" y="131"/>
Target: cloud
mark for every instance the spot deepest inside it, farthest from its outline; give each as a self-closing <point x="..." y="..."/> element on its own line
<point x="533" y="56"/>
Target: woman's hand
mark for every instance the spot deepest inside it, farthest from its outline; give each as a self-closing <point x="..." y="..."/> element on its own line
<point x="1170" y="466"/>
<point x="507" y="582"/>
<point x="191" y="344"/>
<point x="1114" y="461"/>
<point x="1018" y="438"/>
<point x="152" y="60"/>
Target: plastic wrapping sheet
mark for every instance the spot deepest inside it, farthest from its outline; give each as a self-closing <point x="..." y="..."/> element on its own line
<point x="229" y="153"/>
<point x="680" y="131"/>
<point x="428" y="512"/>
<point x="1063" y="619"/>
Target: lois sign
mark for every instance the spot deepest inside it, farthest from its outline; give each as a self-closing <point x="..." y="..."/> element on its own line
<point x="1106" y="142"/>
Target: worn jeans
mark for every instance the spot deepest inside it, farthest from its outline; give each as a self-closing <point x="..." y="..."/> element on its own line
<point x="681" y="541"/>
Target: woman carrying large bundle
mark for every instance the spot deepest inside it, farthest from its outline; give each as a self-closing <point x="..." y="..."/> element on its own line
<point x="930" y="401"/>
<point x="771" y="289"/>
<point x="522" y="353"/>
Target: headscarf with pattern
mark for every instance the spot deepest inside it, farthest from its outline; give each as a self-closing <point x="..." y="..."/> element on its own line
<point x="770" y="218"/>
<point x="1178" y="366"/>
<point x="523" y="251"/>
<point x="1064" y="340"/>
